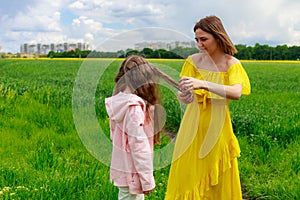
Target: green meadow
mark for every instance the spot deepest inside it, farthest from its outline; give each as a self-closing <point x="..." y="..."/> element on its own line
<point x="54" y="129"/>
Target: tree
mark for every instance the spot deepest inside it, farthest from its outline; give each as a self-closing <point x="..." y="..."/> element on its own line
<point x="121" y="54"/>
<point x="78" y="53"/>
<point x="183" y="52"/>
<point x="131" y="52"/>
<point x="281" y="52"/>
<point x="51" y="54"/>
<point x="262" y="52"/>
<point x="294" y="53"/>
<point x="147" y="53"/>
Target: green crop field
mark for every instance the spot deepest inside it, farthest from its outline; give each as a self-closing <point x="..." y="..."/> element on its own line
<point x="54" y="129"/>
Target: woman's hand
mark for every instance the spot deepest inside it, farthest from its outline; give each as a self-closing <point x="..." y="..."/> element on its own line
<point x="185" y="97"/>
<point x="189" y="83"/>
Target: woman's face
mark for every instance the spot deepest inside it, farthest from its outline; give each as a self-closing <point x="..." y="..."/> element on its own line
<point x="206" y="41"/>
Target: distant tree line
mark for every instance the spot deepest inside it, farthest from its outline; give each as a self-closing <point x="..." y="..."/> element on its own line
<point x="178" y="52"/>
<point x="257" y="52"/>
<point x="266" y="52"/>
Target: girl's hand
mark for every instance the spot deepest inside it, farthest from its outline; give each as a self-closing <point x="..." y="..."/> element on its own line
<point x="147" y="192"/>
<point x="190" y="83"/>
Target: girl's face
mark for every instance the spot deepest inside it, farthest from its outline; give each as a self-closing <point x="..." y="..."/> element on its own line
<point x="206" y="41"/>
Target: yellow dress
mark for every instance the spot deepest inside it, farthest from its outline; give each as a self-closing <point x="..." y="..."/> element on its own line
<point x="205" y="156"/>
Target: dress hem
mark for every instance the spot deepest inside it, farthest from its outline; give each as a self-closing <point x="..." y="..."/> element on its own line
<point x="211" y="179"/>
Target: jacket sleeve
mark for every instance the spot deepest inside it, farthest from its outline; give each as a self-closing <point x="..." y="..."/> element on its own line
<point x="140" y="149"/>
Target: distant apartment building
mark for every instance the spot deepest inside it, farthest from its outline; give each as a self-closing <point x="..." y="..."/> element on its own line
<point x="164" y="45"/>
<point x="42" y="49"/>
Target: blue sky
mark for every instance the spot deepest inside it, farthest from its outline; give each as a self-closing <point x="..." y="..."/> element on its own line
<point x="125" y="22"/>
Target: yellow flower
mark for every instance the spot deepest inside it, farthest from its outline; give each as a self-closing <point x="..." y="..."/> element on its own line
<point x="6" y="189"/>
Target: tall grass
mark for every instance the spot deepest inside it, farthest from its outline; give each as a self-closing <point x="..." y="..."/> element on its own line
<point x="267" y="124"/>
<point x="43" y="157"/>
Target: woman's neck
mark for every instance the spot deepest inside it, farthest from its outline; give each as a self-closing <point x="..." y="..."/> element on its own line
<point x="218" y="56"/>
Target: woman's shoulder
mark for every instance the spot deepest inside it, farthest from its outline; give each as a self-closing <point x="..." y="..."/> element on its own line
<point x="197" y="56"/>
<point x="231" y="60"/>
<point x="191" y="60"/>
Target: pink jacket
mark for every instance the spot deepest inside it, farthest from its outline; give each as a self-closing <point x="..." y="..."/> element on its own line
<point x="132" y="138"/>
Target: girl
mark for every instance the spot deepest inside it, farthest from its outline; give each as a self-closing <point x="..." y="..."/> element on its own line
<point x="131" y="112"/>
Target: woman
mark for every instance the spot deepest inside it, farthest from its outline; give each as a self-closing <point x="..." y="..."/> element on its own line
<point x="205" y="157"/>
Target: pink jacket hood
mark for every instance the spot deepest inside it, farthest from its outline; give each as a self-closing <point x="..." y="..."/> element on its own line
<point x="118" y="105"/>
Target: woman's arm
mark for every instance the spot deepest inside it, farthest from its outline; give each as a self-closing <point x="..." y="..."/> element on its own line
<point x="228" y="91"/>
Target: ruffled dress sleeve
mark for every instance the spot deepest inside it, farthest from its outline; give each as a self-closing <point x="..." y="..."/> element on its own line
<point x="237" y="75"/>
<point x="188" y="68"/>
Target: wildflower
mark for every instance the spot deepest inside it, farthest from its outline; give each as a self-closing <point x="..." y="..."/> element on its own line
<point x="22" y="187"/>
<point x="6" y="189"/>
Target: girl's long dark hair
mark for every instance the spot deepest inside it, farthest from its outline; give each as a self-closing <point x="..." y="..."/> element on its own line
<point x="142" y="77"/>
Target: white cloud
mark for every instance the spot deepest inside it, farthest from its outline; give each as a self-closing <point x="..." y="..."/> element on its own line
<point x="265" y="22"/>
<point x="135" y="13"/>
<point x="41" y="17"/>
<point x="77" y="5"/>
<point x="247" y="22"/>
<point x="83" y="29"/>
<point x="76" y="23"/>
<point x="89" y="37"/>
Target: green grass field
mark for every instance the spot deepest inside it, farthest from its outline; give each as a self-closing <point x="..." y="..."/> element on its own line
<point x="48" y="150"/>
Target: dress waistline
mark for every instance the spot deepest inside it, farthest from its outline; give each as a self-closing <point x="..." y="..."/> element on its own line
<point x="204" y="100"/>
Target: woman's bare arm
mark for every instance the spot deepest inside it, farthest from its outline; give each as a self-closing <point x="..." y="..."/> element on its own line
<point x="228" y="91"/>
